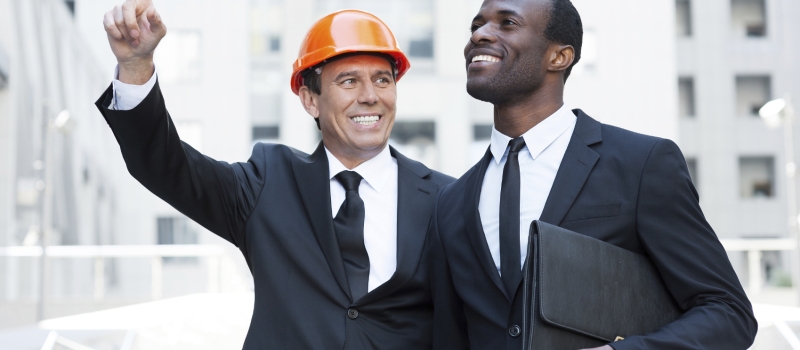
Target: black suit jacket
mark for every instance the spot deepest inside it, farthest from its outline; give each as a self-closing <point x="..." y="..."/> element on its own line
<point x="631" y="190"/>
<point x="276" y="209"/>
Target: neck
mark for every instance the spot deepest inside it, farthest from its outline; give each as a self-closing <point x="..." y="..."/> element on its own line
<point x="351" y="160"/>
<point x="515" y="117"/>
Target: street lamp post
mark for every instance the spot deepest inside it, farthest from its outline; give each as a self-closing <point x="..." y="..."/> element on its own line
<point x="63" y="124"/>
<point x="778" y="113"/>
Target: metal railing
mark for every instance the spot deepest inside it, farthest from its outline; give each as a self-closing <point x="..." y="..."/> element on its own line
<point x="755" y="248"/>
<point x="214" y="254"/>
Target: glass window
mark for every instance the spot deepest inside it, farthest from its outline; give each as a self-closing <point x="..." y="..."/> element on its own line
<point x="752" y="92"/>
<point x="686" y="106"/>
<point x="757" y="177"/>
<point x="691" y="164"/>
<point x="416" y="140"/>
<point x="683" y="16"/>
<point x="411" y="21"/>
<point x="749" y="18"/>
<point x="176" y="230"/>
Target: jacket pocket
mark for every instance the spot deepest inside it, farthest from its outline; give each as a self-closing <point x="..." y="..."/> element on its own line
<point x="593" y="211"/>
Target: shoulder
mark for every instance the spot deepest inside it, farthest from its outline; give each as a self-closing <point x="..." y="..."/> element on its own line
<point x="440" y="179"/>
<point x="421" y="170"/>
<point x="635" y="145"/>
<point x="456" y="189"/>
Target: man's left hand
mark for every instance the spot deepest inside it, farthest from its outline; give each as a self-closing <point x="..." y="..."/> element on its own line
<point x="604" y="347"/>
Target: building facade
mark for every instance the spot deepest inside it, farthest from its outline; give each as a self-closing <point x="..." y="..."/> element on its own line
<point x="734" y="56"/>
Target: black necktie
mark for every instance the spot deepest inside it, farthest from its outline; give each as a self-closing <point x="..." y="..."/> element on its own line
<point x="510" y="269"/>
<point x="349" y="227"/>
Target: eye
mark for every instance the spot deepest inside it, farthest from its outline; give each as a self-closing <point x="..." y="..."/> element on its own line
<point x="509" y="22"/>
<point x="382" y="81"/>
<point x="348" y="82"/>
<point x="474" y="27"/>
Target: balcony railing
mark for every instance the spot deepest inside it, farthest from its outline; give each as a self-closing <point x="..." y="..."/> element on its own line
<point x="213" y="253"/>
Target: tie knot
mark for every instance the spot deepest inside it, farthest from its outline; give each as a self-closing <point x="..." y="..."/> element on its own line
<point x="349" y="180"/>
<point x="515" y="145"/>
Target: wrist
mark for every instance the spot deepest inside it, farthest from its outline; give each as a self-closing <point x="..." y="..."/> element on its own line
<point x="136" y="71"/>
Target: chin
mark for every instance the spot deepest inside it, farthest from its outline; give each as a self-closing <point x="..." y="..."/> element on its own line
<point x="482" y="91"/>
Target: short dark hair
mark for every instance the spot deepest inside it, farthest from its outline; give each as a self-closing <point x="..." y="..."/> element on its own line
<point x="311" y="76"/>
<point x="565" y="27"/>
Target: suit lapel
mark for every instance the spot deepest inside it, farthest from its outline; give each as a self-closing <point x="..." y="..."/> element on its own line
<point x="313" y="182"/>
<point x="415" y="201"/>
<point x="474" y="226"/>
<point x="578" y="162"/>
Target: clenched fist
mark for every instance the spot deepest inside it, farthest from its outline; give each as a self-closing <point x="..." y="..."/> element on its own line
<point x="134" y="29"/>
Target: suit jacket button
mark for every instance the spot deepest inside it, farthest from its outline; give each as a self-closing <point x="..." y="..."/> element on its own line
<point x="353" y="314"/>
<point x="514" y="331"/>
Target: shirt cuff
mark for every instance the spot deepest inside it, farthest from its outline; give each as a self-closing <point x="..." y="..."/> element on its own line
<point x="128" y="96"/>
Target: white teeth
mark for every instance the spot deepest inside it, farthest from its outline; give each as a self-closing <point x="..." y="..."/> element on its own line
<point x="485" y="58"/>
<point x="366" y="120"/>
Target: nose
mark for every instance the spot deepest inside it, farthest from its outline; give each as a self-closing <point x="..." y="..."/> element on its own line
<point x="368" y="95"/>
<point x="484" y="34"/>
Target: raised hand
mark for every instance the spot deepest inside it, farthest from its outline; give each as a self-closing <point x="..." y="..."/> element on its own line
<point x="134" y="29"/>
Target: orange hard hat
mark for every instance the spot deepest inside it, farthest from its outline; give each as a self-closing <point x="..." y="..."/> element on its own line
<point x="344" y="32"/>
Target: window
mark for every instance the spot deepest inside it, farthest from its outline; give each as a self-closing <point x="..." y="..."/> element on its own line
<point x="752" y="92"/>
<point x="686" y="106"/>
<point x="178" y="57"/>
<point x="70" y="6"/>
<point x="266" y="108"/>
<point x="482" y="132"/>
<point x="176" y="230"/>
<point x="683" y="16"/>
<point x="411" y="21"/>
<point x="416" y="140"/>
<point x="691" y="163"/>
<point x="757" y="177"/>
<point x="4" y="68"/>
<point x="269" y="133"/>
<point x="266" y="25"/>
<point x="749" y="18"/>
<point x="481" y="137"/>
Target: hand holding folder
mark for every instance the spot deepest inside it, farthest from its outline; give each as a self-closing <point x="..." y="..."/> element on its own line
<point x="581" y="292"/>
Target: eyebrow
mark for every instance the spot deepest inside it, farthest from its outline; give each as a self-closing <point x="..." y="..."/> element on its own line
<point x="345" y="74"/>
<point x="353" y="73"/>
<point x="501" y="12"/>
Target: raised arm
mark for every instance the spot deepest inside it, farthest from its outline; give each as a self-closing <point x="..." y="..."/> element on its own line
<point x="217" y="195"/>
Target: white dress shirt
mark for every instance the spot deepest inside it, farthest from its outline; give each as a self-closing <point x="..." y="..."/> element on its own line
<point x="378" y="190"/>
<point x="545" y="145"/>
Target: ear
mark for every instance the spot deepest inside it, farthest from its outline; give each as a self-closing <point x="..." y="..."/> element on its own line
<point x="561" y="57"/>
<point x="310" y="101"/>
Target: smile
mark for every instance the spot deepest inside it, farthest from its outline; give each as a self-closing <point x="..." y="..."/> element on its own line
<point x="485" y="58"/>
<point x="366" y="120"/>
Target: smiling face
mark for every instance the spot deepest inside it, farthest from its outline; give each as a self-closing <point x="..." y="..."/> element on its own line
<point x="506" y="54"/>
<point x="356" y="107"/>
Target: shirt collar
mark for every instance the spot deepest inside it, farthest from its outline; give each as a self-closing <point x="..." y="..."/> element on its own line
<point x="375" y="171"/>
<point x="539" y="137"/>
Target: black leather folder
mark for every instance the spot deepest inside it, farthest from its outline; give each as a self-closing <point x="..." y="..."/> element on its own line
<point x="581" y="292"/>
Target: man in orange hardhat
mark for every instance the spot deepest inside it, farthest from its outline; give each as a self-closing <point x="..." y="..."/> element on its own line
<point x="335" y="240"/>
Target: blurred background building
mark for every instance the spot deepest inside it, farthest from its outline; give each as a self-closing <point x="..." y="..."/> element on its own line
<point x="692" y="71"/>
